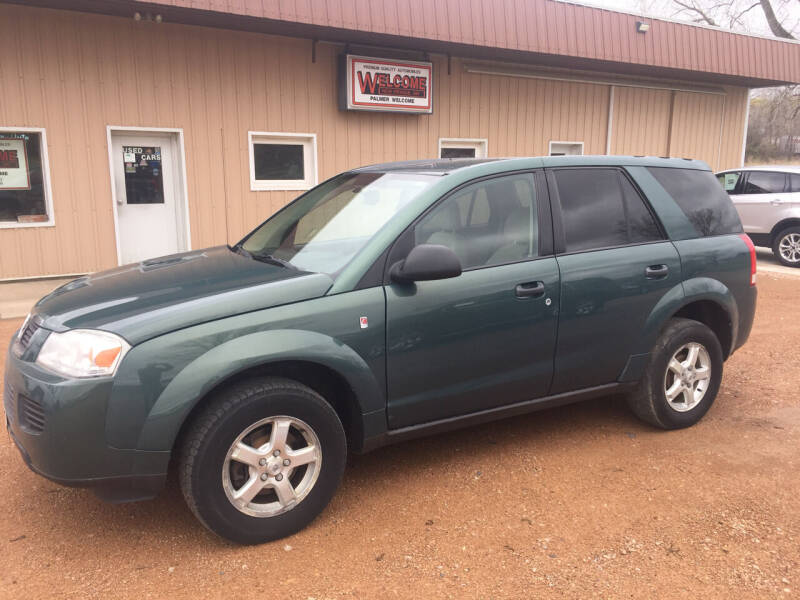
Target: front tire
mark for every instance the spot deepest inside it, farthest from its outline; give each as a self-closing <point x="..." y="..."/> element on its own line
<point x="262" y="460"/>
<point x="682" y="378"/>
<point x="786" y="247"/>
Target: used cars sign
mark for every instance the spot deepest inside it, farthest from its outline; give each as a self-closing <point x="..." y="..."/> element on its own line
<point x="386" y="85"/>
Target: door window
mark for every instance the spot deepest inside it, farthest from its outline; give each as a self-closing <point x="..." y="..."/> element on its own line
<point x="600" y="208"/>
<point x="795" y="182"/>
<point x="144" y="176"/>
<point x="765" y="182"/>
<point x="491" y="222"/>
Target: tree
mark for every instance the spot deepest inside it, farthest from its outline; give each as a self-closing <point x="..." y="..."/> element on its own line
<point x="781" y="18"/>
<point x="773" y="131"/>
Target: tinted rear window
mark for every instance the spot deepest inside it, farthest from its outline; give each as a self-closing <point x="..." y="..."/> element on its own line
<point x="701" y="198"/>
<point x="601" y="209"/>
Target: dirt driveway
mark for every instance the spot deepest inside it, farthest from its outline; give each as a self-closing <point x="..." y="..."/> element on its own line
<point x="581" y="501"/>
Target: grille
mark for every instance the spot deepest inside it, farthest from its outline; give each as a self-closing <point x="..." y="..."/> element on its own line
<point x="31" y="415"/>
<point x="27" y="334"/>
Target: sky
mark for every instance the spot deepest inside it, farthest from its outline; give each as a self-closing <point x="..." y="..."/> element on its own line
<point x="788" y="12"/>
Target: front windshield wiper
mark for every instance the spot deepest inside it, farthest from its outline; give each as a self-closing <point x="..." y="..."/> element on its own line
<point x="239" y="250"/>
<point x="273" y="260"/>
<point x="265" y="258"/>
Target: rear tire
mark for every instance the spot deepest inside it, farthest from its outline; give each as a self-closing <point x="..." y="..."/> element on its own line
<point x="682" y="378"/>
<point x="786" y="247"/>
<point x="262" y="460"/>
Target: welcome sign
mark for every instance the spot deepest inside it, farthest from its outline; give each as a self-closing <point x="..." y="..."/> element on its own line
<point x="387" y="85"/>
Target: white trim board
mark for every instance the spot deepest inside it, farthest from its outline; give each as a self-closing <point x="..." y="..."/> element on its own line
<point x="479" y="144"/>
<point x="289" y="185"/>
<point x="565" y="143"/>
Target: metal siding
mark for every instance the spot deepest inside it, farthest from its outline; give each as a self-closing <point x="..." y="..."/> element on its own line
<point x="74" y="77"/>
<point x="550" y="27"/>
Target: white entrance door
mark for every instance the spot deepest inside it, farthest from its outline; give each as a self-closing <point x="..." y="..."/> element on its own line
<point x="150" y="206"/>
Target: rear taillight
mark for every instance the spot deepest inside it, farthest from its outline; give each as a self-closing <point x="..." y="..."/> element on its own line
<point x="752" y="249"/>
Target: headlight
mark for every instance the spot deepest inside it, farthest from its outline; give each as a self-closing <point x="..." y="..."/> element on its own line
<point x="82" y="353"/>
<point x="24" y="325"/>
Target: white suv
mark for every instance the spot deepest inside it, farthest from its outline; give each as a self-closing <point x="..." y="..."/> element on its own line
<point x="768" y="202"/>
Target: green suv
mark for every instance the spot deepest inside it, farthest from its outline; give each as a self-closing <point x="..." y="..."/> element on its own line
<point x="389" y="302"/>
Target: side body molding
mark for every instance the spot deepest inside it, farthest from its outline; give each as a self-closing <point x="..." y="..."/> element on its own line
<point x="239" y="354"/>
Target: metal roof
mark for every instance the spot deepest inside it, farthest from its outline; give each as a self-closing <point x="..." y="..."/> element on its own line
<point x="548" y="32"/>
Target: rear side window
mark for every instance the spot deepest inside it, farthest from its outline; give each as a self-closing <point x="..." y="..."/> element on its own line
<point x="701" y="198"/>
<point x="795" y="182"/>
<point x="600" y="209"/>
<point x="764" y="182"/>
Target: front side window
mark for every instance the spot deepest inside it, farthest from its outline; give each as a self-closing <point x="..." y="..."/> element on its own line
<point x="765" y="182"/>
<point x="795" y="182"/>
<point x="729" y="181"/>
<point x="325" y="228"/>
<point x="282" y="161"/>
<point x="491" y="222"/>
<point x="600" y="208"/>
<point x="24" y="189"/>
<point x="700" y="197"/>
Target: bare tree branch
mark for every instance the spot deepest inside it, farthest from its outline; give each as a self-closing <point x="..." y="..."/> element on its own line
<point x="774" y="24"/>
<point x="702" y="16"/>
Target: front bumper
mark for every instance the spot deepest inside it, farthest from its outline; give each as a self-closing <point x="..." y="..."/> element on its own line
<point x="59" y="424"/>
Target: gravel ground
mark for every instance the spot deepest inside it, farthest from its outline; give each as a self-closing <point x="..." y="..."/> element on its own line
<point x="580" y="501"/>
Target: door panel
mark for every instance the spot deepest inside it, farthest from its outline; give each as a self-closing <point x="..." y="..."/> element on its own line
<point x="761" y="201"/>
<point x="469" y="343"/>
<point x="606" y="297"/>
<point x="150" y="220"/>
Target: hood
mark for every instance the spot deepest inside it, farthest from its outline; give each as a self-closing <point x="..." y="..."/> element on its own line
<point x="143" y="300"/>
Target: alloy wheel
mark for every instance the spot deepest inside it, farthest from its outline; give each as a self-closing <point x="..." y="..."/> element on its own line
<point x="688" y="377"/>
<point x="789" y="247"/>
<point x="271" y="466"/>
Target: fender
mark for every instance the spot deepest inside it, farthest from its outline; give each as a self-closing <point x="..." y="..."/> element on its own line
<point x="236" y="355"/>
<point x="682" y="294"/>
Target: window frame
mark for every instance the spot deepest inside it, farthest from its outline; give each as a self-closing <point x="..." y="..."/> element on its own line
<point x="310" y="164"/>
<point x="566" y="143"/>
<point x="404" y="243"/>
<point x="559" y="234"/>
<point x="480" y="145"/>
<point x="48" y="192"/>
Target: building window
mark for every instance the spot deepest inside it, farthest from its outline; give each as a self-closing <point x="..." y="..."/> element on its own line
<point x="566" y="148"/>
<point x="24" y="178"/>
<point x="282" y="161"/>
<point x="462" y="148"/>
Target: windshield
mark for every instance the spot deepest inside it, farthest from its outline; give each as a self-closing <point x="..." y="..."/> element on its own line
<point x="325" y="228"/>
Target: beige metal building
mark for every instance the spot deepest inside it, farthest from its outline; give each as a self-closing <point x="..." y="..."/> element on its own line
<point x="134" y="129"/>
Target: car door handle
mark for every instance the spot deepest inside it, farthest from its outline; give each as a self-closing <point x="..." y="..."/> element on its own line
<point x="532" y="289"/>
<point x="656" y="271"/>
<point x="776" y="202"/>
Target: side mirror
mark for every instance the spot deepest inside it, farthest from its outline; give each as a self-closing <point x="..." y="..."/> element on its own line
<point x="426" y="262"/>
